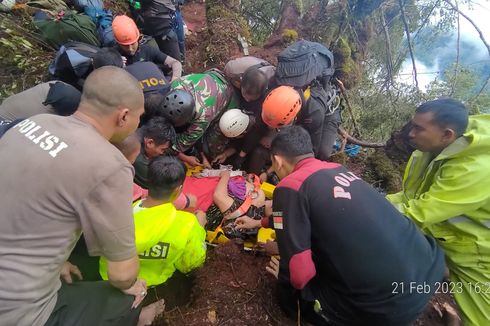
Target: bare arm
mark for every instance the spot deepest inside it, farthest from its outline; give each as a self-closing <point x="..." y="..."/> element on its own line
<point x="175" y="65"/>
<point x="122" y="274"/>
<point x="220" y="196"/>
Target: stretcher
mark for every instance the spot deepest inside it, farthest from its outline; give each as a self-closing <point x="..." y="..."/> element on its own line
<point x="218" y="235"/>
<point x="263" y="235"/>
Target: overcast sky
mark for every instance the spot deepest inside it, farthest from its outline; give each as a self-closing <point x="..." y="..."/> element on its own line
<point x="480" y="14"/>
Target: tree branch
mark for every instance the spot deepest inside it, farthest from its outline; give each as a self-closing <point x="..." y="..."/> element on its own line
<point x="344" y="134"/>
<point x="407" y="32"/>
<point x="399" y="59"/>
<point x="389" y="61"/>
<point x="456" y="67"/>
<point x="482" y="38"/>
<point x="349" y="107"/>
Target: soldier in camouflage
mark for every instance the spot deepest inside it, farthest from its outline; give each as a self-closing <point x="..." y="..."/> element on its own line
<point x="194" y="102"/>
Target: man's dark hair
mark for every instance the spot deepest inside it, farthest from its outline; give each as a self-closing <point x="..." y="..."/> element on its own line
<point x="292" y="142"/>
<point x="448" y="113"/>
<point x="254" y="81"/>
<point x="160" y="130"/>
<point x="153" y="107"/>
<point x="165" y="174"/>
<point x="107" y="57"/>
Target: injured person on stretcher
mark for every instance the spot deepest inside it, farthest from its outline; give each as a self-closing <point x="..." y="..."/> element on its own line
<point x="228" y="197"/>
<point x="236" y="197"/>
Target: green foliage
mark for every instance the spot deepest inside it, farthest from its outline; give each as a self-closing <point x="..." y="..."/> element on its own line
<point x="346" y="69"/>
<point x="262" y="17"/>
<point x="224" y="19"/>
<point x="289" y="35"/>
<point x="378" y="111"/>
<point x="462" y="85"/>
<point x="23" y="60"/>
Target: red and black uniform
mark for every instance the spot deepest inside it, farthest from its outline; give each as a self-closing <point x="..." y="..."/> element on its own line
<point x="343" y="244"/>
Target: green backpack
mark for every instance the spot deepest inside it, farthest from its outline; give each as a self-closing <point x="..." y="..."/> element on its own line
<point x="51" y="6"/>
<point x="68" y="26"/>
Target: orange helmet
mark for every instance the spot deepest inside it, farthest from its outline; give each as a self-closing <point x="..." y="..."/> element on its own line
<point x="281" y="106"/>
<point x="125" y="30"/>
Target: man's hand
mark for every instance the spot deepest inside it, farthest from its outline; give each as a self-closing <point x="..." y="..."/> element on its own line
<point x="201" y="217"/>
<point x="224" y="174"/>
<point x="245" y="222"/>
<point x="263" y="177"/>
<point x="273" y="267"/>
<point x="220" y="159"/>
<point x="68" y="269"/>
<point x="124" y="60"/>
<point x="205" y="162"/>
<point x="191" y="160"/>
<point x="138" y="290"/>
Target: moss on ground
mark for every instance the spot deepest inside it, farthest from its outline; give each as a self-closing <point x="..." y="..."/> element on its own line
<point x="224" y="26"/>
<point x="383" y="173"/>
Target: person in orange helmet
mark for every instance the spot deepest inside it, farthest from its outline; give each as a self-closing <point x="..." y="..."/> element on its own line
<point x="127" y="36"/>
<point x="286" y="105"/>
<point x="279" y="109"/>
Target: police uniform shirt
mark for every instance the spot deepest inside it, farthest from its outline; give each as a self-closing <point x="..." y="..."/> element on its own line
<point x="150" y="77"/>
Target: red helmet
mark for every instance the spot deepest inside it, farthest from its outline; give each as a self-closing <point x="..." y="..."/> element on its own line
<point x="281" y="106"/>
<point x="125" y="30"/>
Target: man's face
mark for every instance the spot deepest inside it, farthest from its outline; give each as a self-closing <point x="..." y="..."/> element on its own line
<point x="278" y="166"/>
<point x="153" y="150"/>
<point x="426" y="136"/>
<point x="129" y="49"/>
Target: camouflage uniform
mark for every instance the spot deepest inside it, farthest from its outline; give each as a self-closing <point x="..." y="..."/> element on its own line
<point x="213" y="94"/>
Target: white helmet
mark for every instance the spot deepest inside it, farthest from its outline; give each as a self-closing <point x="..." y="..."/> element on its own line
<point x="233" y="123"/>
<point x="6" y="5"/>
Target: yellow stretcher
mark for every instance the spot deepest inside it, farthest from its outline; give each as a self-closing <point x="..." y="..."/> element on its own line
<point x="218" y="236"/>
<point x="191" y="171"/>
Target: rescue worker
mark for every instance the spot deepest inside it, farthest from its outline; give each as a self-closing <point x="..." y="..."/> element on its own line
<point x="346" y="254"/>
<point x="253" y="78"/>
<point x="156" y="137"/>
<point x="446" y="193"/>
<point x="280" y="109"/>
<point x="224" y="137"/>
<point x="53" y="97"/>
<point x="310" y="109"/>
<point x="194" y="102"/>
<point x="151" y="78"/>
<point x="170" y="243"/>
<point x="127" y="36"/>
<point x="159" y="22"/>
<point x="64" y="177"/>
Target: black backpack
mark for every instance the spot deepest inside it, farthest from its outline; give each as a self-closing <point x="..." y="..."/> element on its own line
<point x="73" y="63"/>
<point x="302" y="62"/>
